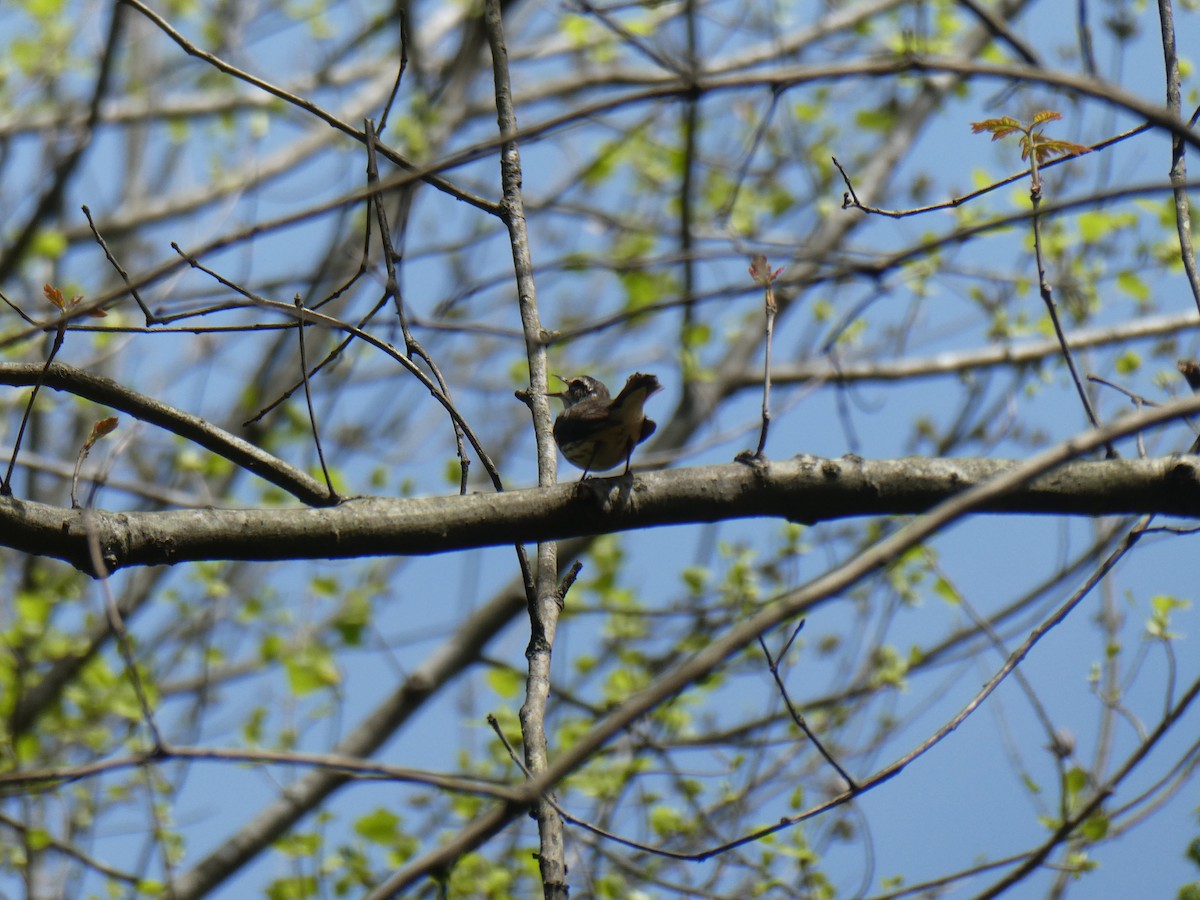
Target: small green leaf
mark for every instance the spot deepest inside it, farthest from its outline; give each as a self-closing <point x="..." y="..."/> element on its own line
<point x="1096" y="827"/>
<point x="38" y="838"/>
<point x="380" y="827"/>
<point x="947" y="591"/>
<point x="271" y="648"/>
<point x="252" y="730"/>
<point x="299" y="844"/>
<point x="353" y="617"/>
<point x="505" y="682"/>
<point x="1076" y="780"/>
<point x="1128" y="363"/>
<point x="1094" y="224"/>
<point x="1131" y="284"/>
<point x="668" y="822"/>
<point x="695" y="577"/>
<point x="311" y="669"/>
<point x="33" y="610"/>
<point x="49" y="243"/>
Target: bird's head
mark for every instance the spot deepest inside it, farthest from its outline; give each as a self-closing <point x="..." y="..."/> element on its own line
<point x="580" y="387"/>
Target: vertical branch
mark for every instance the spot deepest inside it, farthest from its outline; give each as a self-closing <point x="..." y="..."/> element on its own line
<point x="762" y="275"/>
<point x="1086" y="51"/>
<point x="411" y="345"/>
<point x="545" y="599"/>
<point x="6" y="485"/>
<point x="1047" y="292"/>
<point x="150" y="318"/>
<point x="1183" y="215"/>
<point x="312" y="413"/>
<point x="401" y="14"/>
<point x="691" y="115"/>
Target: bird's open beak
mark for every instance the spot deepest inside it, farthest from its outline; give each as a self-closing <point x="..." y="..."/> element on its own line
<point x="559" y="394"/>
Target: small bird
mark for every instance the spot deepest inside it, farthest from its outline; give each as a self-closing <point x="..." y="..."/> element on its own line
<point x="595" y="432"/>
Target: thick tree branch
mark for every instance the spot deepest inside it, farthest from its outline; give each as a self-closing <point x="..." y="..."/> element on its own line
<point x="805" y="489"/>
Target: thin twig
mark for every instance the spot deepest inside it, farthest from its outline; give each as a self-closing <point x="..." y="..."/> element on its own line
<point x="850" y="198"/>
<point x="55" y="346"/>
<point x="632" y="40"/>
<point x="387" y="107"/>
<point x="761" y="272"/>
<point x="760" y="132"/>
<point x="392" y="291"/>
<point x="101" y="428"/>
<point x="112" y="610"/>
<point x="796" y="715"/>
<point x="1047" y="294"/>
<point x="150" y="318"/>
<point x="330" y="357"/>
<point x="316" y="318"/>
<point x="312" y="413"/>
<point x="307" y="105"/>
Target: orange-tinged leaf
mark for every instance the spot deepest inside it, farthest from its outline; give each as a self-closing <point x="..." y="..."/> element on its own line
<point x="998" y="128"/>
<point x="54" y="295"/>
<point x="1046" y="115"/>
<point x="105" y="426"/>
<point x="761" y="272"/>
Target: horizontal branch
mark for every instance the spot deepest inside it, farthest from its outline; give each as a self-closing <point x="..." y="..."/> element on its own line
<point x="952" y="362"/>
<point x="805" y="489"/>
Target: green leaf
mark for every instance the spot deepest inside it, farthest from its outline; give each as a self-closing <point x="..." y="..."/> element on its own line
<point x="505" y="682"/>
<point x="252" y="729"/>
<point x="33" y="610"/>
<point x="1096" y="827"/>
<point x="353" y="617"/>
<point x="946" y="591"/>
<point x="880" y="120"/>
<point x="1094" y="224"/>
<point x="310" y="670"/>
<point x="304" y="844"/>
<point x="1076" y="780"/>
<point x="380" y="827"/>
<point x="44" y="9"/>
<point x="1128" y="363"/>
<point x="1132" y="284"/>
<point x="49" y="243"/>
<point x="696" y="578"/>
<point x="301" y="887"/>
<point x="38" y="838"/>
<point x="668" y="822"/>
<point x="271" y="648"/>
<point x="1193" y="850"/>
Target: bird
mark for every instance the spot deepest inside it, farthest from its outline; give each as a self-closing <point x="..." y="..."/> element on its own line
<point x="595" y="432"/>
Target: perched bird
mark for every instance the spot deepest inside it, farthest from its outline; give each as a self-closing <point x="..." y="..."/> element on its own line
<point x="596" y="432"/>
